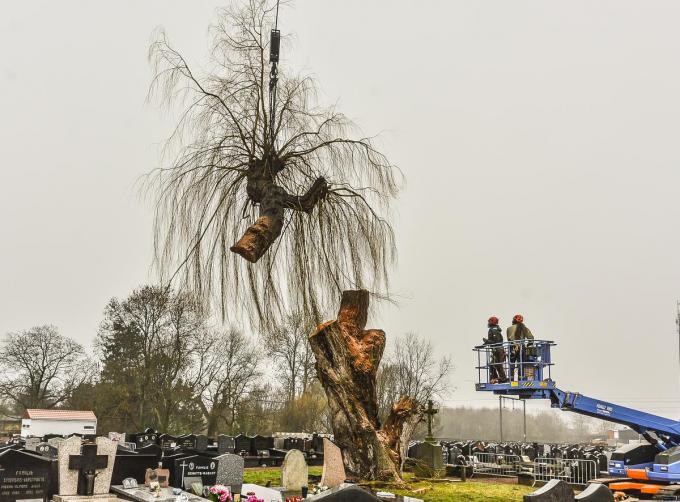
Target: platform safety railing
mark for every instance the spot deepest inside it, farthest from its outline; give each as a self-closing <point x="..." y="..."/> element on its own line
<point x="495" y="464"/>
<point x="520" y="360"/>
<point x="572" y="471"/>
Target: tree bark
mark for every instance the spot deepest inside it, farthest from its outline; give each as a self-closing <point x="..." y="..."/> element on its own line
<point x="273" y="200"/>
<point x="347" y="360"/>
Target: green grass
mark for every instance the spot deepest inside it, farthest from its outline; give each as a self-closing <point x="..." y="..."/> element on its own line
<point x="471" y="491"/>
<point x="260" y="477"/>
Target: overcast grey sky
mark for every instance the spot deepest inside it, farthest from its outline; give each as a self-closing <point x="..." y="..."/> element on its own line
<point x="539" y="141"/>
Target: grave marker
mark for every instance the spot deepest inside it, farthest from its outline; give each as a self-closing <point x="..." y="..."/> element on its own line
<point x="24" y="476"/>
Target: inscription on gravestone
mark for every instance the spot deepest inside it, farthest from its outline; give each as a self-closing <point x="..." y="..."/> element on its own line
<point x="195" y="466"/>
<point x="24" y="476"/>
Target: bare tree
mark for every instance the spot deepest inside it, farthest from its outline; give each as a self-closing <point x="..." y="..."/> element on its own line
<point x="412" y="369"/>
<point x="41" y="368"/>
<point x="235" y="185"/>
<point x="227" y="370"/>
<point x="289" y="348"/>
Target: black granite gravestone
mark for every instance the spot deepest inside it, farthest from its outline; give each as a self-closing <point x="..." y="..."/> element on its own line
<point x="167" y="441"/>
<point x="46" y="450"/>
<point x="242" y="443"/>
<point x="24" y="475"/>
<point x="145" y="438"/>
<point x="194" y="466"/>
<point x="261" y="444"/>
<point x="132" y="466"/>
<point x="225" y="444"/>
<point x="187" y="442"/>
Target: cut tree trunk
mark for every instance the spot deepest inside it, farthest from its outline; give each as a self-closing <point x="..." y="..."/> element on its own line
<point x="347" y="360"/>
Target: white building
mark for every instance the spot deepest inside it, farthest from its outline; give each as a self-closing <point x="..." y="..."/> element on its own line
<point x="62" y="422"/>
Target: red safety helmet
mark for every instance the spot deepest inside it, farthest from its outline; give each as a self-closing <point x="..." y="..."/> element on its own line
<point x="518" y="318"/>
<point x="493" y="320"/>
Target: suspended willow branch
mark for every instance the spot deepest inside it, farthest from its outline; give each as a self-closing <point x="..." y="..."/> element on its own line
<point x="264" y="218"/>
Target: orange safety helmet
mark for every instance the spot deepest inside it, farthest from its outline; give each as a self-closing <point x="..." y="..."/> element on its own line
<point x="493" y="320"/>
<point x="518" y="319"/>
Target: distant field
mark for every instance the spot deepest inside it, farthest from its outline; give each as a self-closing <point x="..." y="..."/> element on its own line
<point x="471" y="491"/>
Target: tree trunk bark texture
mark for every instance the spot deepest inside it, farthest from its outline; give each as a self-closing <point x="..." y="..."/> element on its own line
<point x="273" y="201"/>
<point x="347" y="360"/>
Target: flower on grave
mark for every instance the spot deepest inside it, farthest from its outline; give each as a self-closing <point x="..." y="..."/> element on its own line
<point x="253" y="498"/>
<point x="220" y="493"/>
<point x="319" y="489"/>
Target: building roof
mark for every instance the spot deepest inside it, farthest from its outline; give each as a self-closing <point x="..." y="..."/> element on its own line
<point x="34" y="414"/>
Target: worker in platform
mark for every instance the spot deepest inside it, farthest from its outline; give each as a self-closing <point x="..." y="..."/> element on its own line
<point x="495" y="336"/>
<point x="520" y="350"/>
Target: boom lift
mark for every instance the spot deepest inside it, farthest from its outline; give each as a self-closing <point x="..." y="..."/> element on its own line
<point x="652" y="468"/>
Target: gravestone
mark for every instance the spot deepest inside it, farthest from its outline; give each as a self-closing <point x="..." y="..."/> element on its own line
<point x="187" y="442"/>
<point x="32" y="443"/>
<point x="76" y="460"/>
<point x="429" y="462"/>
<point x="242" y="443"/>
<point x="230" y="471"/>
<point x="194" y="466"/>
<point x="46" y="450"/>
<point x="262" y="444"/>
<point x="167" y="441"/>
<point x="317" y="443"/>
<point x="555" y="490"/>
<point x="145" y="438"/>
<point x="117" y="436"/>
<point x="132" y="465"/>
<point x="225" y="444"/>
<point x="24" y="476"/>
<point x="55" y="441"/>
<point x="333" y="473"/>
<point x="294" y="444"/>
<point x="68" y="478"/>
<point x="294" y="472"/>
<point x="151" y="449"/>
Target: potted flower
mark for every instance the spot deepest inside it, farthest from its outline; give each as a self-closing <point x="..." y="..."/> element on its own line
<point x="220" y="493"/>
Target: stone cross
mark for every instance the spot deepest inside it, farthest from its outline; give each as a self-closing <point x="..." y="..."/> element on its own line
<point x="430" y="412"/>
<point x="87" y="463"/>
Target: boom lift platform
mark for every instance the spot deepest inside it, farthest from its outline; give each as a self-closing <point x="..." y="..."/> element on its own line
<point x="651" y="469"/>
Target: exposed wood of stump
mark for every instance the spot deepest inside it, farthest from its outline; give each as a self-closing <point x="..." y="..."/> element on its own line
<point x="273" y="201"/>
<point x="347" y="360"/>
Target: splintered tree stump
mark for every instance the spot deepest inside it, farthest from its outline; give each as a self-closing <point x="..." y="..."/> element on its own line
<point x="347" y="360"/>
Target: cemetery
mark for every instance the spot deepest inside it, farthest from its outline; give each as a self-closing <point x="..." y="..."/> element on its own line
<point x="251" y="285"/>
<point x="149" y="466"/>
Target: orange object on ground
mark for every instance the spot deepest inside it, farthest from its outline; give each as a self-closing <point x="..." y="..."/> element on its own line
<point x="641" y="487"/>
<point x="637" y="474"/>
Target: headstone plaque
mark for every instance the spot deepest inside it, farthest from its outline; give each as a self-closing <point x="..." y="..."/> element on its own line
<point x="194" y="466"/>
<point x="187" y="442"/>
<point x="24" y="476"/>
